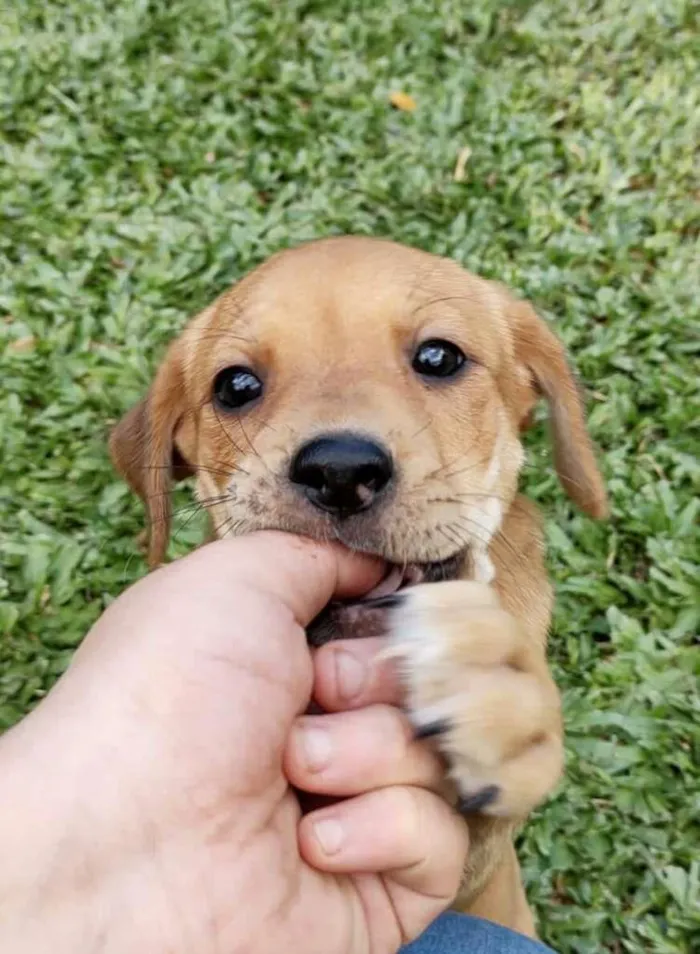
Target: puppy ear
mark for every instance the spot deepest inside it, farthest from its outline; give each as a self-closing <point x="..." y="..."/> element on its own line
<point x="542" y="354"/>
<point x="143" y="450"/>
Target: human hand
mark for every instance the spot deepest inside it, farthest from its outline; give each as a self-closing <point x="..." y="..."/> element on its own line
<point x="145" y="803"/>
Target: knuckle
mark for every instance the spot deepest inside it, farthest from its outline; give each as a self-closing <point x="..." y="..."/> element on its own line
<point x="408" y="811"/>
<point x="396" y="735"/>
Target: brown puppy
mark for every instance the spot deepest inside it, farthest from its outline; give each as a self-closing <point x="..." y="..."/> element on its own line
<point x="358" y="390"/>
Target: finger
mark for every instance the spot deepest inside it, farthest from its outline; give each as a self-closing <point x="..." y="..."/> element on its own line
<point x="407" y="833"/>
<point x="350" y="674"/>
<point x="299" y="572"/>
<point x="352" y="752"/>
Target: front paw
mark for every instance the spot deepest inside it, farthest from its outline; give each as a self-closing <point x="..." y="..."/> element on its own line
<point x="482" y="691"/>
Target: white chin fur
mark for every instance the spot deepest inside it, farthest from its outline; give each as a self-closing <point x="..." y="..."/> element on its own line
<point x="484" y="570"/>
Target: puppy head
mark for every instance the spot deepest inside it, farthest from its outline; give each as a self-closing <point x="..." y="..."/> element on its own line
<point x="357" y="390"/>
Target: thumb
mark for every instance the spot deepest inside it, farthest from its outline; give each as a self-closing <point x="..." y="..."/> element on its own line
<point x="301" y="573"/>
<point x="201" y="597"/>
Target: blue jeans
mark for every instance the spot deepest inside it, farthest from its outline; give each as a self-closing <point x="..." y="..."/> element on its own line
<point x="458" y="934"/>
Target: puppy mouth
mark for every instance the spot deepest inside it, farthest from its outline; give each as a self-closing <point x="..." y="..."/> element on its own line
<point x="410" y="574"/>
<point x="363" y="617"/>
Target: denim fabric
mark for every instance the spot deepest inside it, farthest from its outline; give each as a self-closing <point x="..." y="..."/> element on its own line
<point x="458" y="934"/>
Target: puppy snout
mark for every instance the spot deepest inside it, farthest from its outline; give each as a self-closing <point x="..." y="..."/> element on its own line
<point x="342" y="473"/>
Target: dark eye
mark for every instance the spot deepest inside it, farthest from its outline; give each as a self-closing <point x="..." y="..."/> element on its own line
<point x="236" y="386"/>
<point x="438" y="359"/>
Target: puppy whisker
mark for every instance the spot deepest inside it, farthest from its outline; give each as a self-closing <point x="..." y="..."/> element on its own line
<point x="269" y="426"/>
<point x="438" y="301"/>
<point x="233" y="469"/>
<point x="222" y="333"/>
<point x="216" y="498"/>
<point x="445" y="470"/>
<point x="449" y="473"/>
<point x="421" y="430"/>
<point x="227" y="435"/>
<point x="222" y="529"/>
<point x="255" y="452"/>
<point x="192" y="510"/>
<point x="458" y="498"/>
<point x="488" y="539"/>
<point x="445" y="530"/>
<point x="183" y="526"/>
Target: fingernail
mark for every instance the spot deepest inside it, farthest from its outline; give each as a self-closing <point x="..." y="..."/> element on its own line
<point x="350" y="675"/>
<point x="329" y="833"/>
<point x="317" y="748"/>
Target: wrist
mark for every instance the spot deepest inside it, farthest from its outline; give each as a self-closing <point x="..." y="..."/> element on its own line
<point x="46" y="892"/>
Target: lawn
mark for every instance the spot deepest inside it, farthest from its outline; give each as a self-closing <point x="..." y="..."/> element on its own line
<point x="154" y="151"/>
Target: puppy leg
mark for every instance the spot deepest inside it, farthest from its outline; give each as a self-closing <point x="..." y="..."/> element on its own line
<point x="478" y="685"/>
<point x="502" y="899"/>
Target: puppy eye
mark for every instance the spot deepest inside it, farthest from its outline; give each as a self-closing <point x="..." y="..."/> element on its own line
<point x="438" y="359"/>
<point x="234" y="387"/>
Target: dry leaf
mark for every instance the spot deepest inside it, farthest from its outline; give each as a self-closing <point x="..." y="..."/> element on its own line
<point x="209" y="157"/>
<point x="461" y="164"/>
<point x="403" y="101"/>
<point x="20" y="345"/>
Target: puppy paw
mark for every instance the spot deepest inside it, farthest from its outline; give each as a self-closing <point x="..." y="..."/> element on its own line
<point x="478" y="688"/>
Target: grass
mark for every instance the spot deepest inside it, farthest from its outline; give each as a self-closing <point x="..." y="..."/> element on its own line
<point x="154" y="151"/>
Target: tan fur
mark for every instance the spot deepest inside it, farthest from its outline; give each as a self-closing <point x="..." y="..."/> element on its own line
<point x="469" y="663"/>
<point x="330" y="327"/>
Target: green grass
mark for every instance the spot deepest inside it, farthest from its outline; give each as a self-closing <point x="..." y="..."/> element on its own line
<point x="152" y="152"/>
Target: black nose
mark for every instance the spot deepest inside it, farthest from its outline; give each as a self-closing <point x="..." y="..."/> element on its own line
<point x="342" y="473"/>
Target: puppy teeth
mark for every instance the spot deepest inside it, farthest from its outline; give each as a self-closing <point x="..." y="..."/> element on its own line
<point x="412" y="575"/>
<point x="388" y="585"/>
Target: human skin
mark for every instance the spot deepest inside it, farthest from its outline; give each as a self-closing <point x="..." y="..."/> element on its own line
<point x="146" y="803"/>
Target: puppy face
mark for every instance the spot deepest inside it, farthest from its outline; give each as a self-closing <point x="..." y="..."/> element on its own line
<point x="357" y="390"/>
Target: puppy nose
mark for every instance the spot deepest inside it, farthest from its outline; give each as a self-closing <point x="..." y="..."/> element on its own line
<point x="342" y="473"/>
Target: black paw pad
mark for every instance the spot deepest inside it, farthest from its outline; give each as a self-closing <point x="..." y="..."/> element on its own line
<point x="469" y="804"/>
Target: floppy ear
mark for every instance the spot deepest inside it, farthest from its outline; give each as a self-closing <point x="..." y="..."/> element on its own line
<point x="142" y="448"/>
<point x="542" y="354"/>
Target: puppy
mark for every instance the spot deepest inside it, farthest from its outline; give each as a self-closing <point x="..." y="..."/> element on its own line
<point x="357" y="390"/>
